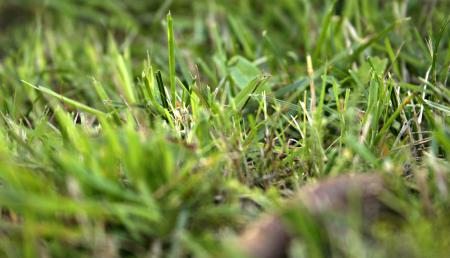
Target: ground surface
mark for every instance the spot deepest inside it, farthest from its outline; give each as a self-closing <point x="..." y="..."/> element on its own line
<point x="163" y="128"/>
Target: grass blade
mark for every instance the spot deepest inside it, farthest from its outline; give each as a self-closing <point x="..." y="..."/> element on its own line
<point x="66" y="100"/>
<point x="171" y="47"/>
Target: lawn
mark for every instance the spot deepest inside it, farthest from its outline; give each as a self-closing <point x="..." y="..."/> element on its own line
<point x="173" y="128"/>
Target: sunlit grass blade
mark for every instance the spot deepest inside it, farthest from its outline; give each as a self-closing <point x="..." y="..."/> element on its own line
<point x="171" y="52"/>
<point x="66" y="100"/>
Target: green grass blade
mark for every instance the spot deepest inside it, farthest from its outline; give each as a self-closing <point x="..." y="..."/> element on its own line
<point x="171" y="47"/>
<point x="66" y="100"/>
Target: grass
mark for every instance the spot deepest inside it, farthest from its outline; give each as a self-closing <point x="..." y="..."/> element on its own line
<point x="125" y="134"/>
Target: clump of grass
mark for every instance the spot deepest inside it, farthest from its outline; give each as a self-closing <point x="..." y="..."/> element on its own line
<point x="100" y="158"/>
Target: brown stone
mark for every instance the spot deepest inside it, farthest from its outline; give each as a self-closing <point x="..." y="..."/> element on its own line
<point x="269" y="236"/>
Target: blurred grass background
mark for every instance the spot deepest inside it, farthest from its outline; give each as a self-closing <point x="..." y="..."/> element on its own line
<point x="101" y="158"/>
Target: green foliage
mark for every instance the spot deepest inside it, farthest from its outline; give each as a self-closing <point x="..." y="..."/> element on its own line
<point x="129" y="133"/>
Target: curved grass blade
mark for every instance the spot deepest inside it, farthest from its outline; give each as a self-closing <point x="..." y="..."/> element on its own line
<point x="66" y="100"/>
